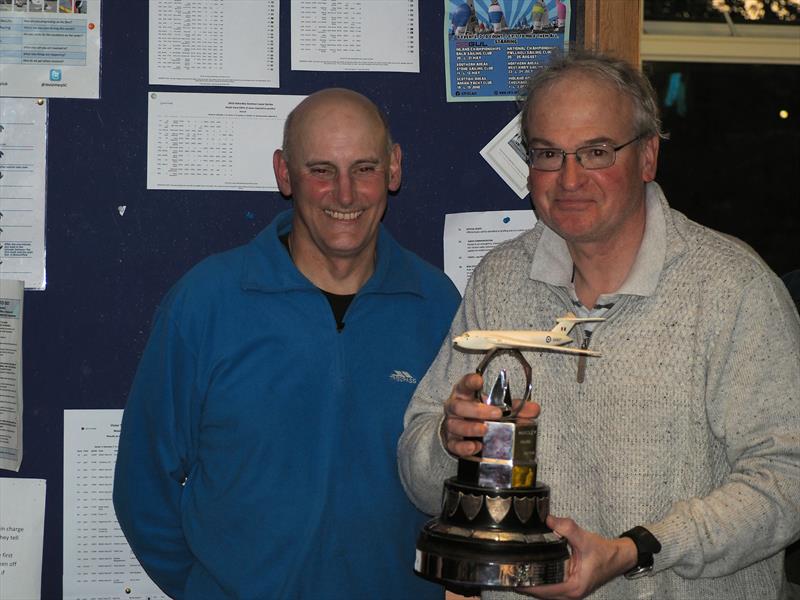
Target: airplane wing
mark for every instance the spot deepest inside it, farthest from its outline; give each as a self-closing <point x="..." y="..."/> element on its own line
<point x="574" y="319"/>
<point x="486" y="340"/>
<point x="511" y="342"/>
<point x="556" y="349"/>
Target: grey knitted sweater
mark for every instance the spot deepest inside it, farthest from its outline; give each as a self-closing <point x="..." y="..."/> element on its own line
<point x="689" y="423"/>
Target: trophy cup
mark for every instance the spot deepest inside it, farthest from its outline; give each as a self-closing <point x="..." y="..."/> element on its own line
<point x="491" y="533"/>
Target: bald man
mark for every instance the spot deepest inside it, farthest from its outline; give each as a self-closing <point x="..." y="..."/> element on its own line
<point x="257" y="453"/>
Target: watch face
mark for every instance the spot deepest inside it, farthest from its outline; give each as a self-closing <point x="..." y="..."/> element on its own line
<point x="637" y="572"/>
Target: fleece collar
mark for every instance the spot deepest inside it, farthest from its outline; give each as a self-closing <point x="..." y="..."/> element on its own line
<point x="268" y="267"/>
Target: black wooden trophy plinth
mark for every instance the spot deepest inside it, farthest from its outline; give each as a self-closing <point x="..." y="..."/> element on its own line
<point x="491" y="533"/>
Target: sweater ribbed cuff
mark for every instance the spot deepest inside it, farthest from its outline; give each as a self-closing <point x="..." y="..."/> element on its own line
<point x="677" y="538"/>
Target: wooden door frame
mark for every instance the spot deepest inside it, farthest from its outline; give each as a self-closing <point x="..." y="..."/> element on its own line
<point x="613" y="27"/>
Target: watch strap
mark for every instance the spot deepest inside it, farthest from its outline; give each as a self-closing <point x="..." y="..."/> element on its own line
<point x="646" y="546"/>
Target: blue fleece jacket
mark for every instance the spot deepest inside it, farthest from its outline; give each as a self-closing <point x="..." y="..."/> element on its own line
<point x="257" y="453"/>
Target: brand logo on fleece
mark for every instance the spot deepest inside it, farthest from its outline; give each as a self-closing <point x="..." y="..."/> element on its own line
<point x="403" y="376"/>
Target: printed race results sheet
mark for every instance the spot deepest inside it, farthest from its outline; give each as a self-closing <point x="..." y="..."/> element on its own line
<point x="357" y="35"/>
<point x="214" y="141"/>
<point x="214" y="42"/>
<point x="98" y="563"/>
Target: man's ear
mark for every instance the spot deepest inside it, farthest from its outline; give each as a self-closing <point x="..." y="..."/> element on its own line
<point x="395" y="168"/>
<point x="649" y="158"/>
<point x="281" y="169"/>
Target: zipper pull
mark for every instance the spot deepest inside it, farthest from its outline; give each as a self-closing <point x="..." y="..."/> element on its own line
<point x="582" y="358"/>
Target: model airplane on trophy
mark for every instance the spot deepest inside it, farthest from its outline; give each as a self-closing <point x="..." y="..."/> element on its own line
<point x="555" y="339"/>
<point x="492" y="532"/>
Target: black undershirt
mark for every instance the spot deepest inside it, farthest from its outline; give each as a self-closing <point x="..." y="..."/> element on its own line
<point x="339" y="302"/>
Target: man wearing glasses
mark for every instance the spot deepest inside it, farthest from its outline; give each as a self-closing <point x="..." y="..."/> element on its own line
<point x="674" y="458"/>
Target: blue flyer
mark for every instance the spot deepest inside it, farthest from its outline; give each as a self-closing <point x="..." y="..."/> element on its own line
<point x="492" y="46"/>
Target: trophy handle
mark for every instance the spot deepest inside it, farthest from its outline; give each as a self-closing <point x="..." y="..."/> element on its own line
<point x="526" y="367"/>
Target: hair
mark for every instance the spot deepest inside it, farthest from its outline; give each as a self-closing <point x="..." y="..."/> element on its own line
<point x="289" y="124"/>
<point x="618" y="73"/>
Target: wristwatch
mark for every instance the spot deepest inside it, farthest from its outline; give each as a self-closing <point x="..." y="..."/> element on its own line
<point x="646" y="546"/>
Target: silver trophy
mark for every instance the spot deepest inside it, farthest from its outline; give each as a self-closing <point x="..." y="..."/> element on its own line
<point x="491" y="533"/>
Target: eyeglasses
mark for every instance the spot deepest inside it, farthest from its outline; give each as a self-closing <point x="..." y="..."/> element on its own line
<point x="596" y="156"/>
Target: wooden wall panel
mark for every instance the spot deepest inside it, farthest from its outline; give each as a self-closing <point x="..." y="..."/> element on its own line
<point x="613" y="27"/>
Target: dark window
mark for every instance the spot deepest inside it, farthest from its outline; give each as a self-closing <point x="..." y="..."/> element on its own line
<point x="766" y="12"/>
<point x="733" y="158"/>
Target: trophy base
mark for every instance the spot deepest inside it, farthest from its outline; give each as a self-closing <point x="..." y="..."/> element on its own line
<point x="490" y="538"/>
<point x="467" y="568"/>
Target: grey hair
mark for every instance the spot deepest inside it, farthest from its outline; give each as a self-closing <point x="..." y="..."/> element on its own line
<point x="289" y="124"/>
<point x="618" y="73"/>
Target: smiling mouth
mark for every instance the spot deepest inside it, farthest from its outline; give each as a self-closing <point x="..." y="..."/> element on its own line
<point x="572" y="202"/>
<point x="342" y="215"/>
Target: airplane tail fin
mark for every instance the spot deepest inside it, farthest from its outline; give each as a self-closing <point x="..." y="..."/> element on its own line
<point x="565" y="324"/>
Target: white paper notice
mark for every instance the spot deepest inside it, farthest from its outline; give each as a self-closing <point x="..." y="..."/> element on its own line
<point x="214" y="141"/>
<point x="21" y="537"/>
<point x="50" y="48"/>
<point x="98" y="563"/>
<point x="357" y="35"/>
<point x="11" y="295"/>
<point x="468" y="236"/>
<point x="214" y="42"/>
<point x="23" y="136"/>
<point x="507" y="156"/>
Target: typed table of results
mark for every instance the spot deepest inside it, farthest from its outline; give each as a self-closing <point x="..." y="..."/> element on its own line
<point x="214" y="42"/>
<point x="358" y="35"/>
<point x="214" y="141"/>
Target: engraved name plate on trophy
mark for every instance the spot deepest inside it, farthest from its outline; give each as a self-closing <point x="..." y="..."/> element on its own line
<point x="491" y="532"/>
